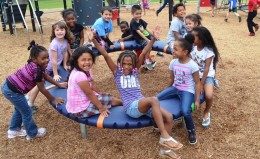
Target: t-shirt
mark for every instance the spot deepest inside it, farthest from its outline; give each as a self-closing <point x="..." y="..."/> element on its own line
<point x="77" y="100"/>
<point x="232" y="4"/>
<point x="183" y="79"/>
<point x="60" y="48"/>
<point x="103" y="27"/>
<point x="127" y="33"/>
<point x="26" y="77"/>
<point x="200" y="58"/>
<point x="251" y="3"/>
<point x="128" y="87"/>
<point x="76" y="32"/>
<point x="177" y="25"/>
<point x="134" y="26"/>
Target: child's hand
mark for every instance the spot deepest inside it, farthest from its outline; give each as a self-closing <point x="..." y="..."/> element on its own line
<point x="197" y="105"/>
<point x="57" y="101"/>
<point x="201" y="88"/>
<point x="91" y="33"/>
<point x="57" y="77"/>
<point x="120" y="40"/>
<point x="66" y="67"/>
<point x="157" y="32"/>
<point x="104" y="112"/>
<point x="112" y="46"/>
<point x="63" y="85"/>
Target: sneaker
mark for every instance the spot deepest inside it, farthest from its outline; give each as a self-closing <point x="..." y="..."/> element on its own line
<point x="216" y="84"/>
<point x="41" y="133"/>
<point x="206" y="121"/>
<point x="192" y="136"/>
<point x="12" y="134"/>
<point x="256" y="27"/>
<point x="251" y="34"/>
<point x="225" y="19"/>
<point x="153" y="64"/>
<point x="239" y="19"/>
<point x="159" y="54"/>
<point x="33" y="109"/>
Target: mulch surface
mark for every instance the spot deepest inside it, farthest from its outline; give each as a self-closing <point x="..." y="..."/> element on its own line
<point x="234" y="131"/>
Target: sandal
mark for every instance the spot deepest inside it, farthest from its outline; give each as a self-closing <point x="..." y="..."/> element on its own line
<point x="164" y="143"/>
<point x="206" y="121"/>
<point x="168" y="154"/>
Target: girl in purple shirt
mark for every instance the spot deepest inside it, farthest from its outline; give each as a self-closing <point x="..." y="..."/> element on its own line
<point x="127" y="81"/>
<point x="21" y="82"/>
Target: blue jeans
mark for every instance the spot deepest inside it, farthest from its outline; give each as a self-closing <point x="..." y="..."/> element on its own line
<point x="22" y="112"/>
<point x="163" y="6"/>
<point x="186" y="99"/>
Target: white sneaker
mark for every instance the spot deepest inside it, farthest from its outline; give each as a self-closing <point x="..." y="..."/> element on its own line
<point x="12" y="134"/>
<point x="41" y="133"/>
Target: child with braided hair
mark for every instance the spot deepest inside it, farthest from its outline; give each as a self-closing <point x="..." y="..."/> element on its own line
<point x="135" y="104"/>
<point x="21" y="82"/>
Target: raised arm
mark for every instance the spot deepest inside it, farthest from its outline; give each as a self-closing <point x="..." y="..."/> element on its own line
<point x="156" y="35"/>
<point x="102" y="51"/>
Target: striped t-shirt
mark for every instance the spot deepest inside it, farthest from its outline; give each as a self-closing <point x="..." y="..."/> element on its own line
<point x="25" y="78"/>
<point x="128" y="87"/>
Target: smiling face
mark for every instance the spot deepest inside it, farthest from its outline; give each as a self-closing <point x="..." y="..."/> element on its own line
<point x="181" y="12"/>
<point x="107" y="15"/>
<point x="178" y="51"/>
<point x="59" y="32"/>
<point x="42" y="59"/>
<point x="137" y="15"/>
<point x="190" y="24"/>
<point x="71" y="20"/>
<point x="85" y="62"/>
<point x="123" y="28"/>
<point x="127" y="65"/>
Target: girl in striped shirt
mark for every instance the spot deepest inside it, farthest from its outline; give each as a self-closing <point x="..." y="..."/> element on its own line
<point x="135" y="104"/>
<point x="20" y="83"/>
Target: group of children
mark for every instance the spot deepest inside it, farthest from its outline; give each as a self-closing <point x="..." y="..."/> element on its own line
<point x="192" y="72"/>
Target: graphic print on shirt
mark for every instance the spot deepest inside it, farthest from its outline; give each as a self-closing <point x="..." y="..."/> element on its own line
<point x="182" y="76"/>
<point x="199" y="59"/>
<point x="128" y="81"/>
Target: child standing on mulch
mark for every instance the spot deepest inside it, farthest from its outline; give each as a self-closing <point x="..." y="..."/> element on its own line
<point x="126" y="76"/>
<point x="232" y="8"/>
<point x="69" y="16"/>
<point x="252" y="12"/>
<point x="205" y="54"/>
<point x="83" y="99"/>
<point x="20" y="83"/>
<point x="185" y="82"/>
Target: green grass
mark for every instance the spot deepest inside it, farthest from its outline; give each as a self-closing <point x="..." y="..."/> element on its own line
<point x="49" y="4"/>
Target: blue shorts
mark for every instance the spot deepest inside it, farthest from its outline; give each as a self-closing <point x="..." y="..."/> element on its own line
<point x="212" y="2"/>
<point x="133" y="111"/>
<point x="209" y="80"/>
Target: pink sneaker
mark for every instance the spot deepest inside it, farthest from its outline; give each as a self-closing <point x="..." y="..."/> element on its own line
<point x="41" y="133"/>
<point x="12" y="134"/>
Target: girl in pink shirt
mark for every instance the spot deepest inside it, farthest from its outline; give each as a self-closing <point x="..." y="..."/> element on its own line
<point x="83" y="99"/>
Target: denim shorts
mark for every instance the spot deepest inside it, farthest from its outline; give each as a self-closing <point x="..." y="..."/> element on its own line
<point x="143" y="42"/>
<point x="209" y="80"/>
<point x="133" y="111"/>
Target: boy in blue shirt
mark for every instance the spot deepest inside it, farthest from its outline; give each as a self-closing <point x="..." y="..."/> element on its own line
<point x="104" y="27"/>
<point x="232" y="8"/>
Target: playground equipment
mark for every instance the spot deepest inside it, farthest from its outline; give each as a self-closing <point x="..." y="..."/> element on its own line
<point x="13" y="11"/>
<point x="88" y="11"/>
<point x="117" y="118"/>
